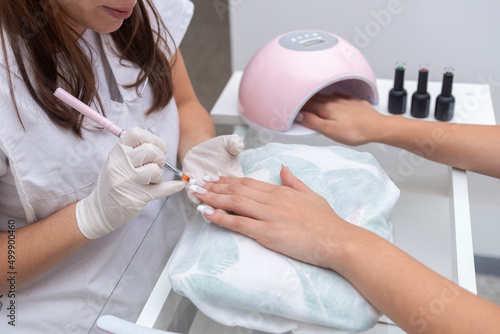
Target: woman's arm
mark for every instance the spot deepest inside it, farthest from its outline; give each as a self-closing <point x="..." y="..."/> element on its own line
<point x="413" y="296"/>
<point x="41" y="246"/>
<point x="129" y="179"/>
<point x="195" y="124"/>
<point x="294" y="221"/>
<point x="354" y="122"/>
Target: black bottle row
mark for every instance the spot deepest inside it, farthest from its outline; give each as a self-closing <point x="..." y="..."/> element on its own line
<point x="420" y="100"/>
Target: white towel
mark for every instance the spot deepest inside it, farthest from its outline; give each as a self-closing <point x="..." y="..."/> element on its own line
<point x="237" y="282"/>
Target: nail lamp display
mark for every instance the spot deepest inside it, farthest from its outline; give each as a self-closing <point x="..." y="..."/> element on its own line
<point x="290" y="69"/>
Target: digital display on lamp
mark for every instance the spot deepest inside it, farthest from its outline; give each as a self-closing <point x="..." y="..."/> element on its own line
<point x="308" y="40"/>
<point x="312" y="41"/>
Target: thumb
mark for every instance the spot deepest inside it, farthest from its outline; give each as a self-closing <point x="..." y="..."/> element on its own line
<point x="289" y="180"/>
<point x="312" y="121"/>
<point x="165" y="189"/>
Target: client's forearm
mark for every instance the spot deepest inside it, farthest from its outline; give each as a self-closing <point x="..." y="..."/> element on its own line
<point x="466" y="146"/>
<point x="416" y="298"/>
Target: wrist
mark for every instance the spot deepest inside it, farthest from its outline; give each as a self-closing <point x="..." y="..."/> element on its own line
<point x="363" y="251"/>
<point x="86" y="219"/>
<point x="387" y="129"/>
<point x="187" y="145"/>
<point x="351" y="246"/>
<point x="336" y="245"/>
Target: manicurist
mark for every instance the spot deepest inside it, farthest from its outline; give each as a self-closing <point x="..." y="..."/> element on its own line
<point x="76" y="203"/>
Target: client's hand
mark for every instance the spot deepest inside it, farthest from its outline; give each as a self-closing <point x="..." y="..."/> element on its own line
<point x="290" y="219"/>
<point x="343" y="118"/>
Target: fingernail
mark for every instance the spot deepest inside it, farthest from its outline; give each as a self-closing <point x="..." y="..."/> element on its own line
<point x="300" y="117"/>
<point x="211" y="178"/>
<point x="200" y="183"/>
<point x="284" y="166"/>
<point x="205" y="209"/>
<point x="198" y="190"/>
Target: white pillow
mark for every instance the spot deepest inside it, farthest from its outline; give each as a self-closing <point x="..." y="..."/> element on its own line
<point x="237" y="282"/>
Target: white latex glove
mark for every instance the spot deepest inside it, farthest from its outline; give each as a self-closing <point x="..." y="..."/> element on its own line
<point x="215" y="157"/>
<point x="130" y="178"/>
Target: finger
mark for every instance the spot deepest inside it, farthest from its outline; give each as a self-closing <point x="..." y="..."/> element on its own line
<point x="338" y="95"/>
<point x="165" y="189"/>
<point x="289" y="180"/>
<point x="244" y="225"/>
<point x="147" y="174"/>
<point x="246" y="181"/>
<point x="322" y="98"/>
<point x="237" y="193"/>
<point x="144" y="154"/>
<point x="249" y="203"/>
<point x="234" y="144"/>
<point x="137" y="136"/>
<point x="312" y="121"/>
<point x="324" y="110"/>
<point x="191" y="194"/>
<point x="316" y="107"/>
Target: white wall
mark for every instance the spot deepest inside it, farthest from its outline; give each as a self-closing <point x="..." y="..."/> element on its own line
<point x="458" y="33"/>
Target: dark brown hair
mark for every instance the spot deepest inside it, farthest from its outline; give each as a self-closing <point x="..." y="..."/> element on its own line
<point x="48" y="55"/>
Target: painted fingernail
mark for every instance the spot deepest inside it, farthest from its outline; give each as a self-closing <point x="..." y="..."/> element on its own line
<point x="200" y="183"/>
<point x="198" y="190"/>
<point x="205" y="209"/>
<point x="211" y="178"/>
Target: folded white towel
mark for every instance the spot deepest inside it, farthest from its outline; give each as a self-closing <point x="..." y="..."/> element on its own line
<point x="237" y="282"/>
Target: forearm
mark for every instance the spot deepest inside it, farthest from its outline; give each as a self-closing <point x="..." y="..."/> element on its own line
<point x="41" y="246"/>
<point x="413" y="296"/>
<point x="465" y="146"/>
<point x="195" y="126"/>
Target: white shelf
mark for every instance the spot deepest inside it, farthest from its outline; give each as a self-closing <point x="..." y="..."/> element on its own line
<point x="473" y="103"/>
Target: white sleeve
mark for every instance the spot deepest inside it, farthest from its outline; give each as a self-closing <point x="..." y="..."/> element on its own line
<point x="3" y="77"/>
<point x="3" y="163"/>
<point x="176" y="15"/>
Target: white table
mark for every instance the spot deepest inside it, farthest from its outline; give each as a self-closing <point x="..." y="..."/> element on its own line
<point x="431" y="219"/>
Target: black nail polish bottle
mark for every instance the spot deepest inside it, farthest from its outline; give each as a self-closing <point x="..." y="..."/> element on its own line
<point x="397" y="95"/>
<point x="445" y="102"/>
<point x="420" y="100"/>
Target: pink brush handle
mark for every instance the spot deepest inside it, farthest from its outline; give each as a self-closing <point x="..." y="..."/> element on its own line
<point x="89" y="112"/>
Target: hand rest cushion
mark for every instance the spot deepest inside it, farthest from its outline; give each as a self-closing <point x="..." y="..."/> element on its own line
<point x="237" y="282"/>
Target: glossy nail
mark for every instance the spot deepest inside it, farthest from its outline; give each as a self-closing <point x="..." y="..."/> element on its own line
<point x="200" y="183"/>
<point x="284" y="166"/>
<point x="211" y="178"/>
<point x="205" y="209"/>
<point x="197" y="189"/>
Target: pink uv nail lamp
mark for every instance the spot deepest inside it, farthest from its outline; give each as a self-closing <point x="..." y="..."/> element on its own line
<point x="284" y="74"/>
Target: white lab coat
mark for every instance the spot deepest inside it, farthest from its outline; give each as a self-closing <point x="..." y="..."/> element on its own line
<point x="45" y="168"/>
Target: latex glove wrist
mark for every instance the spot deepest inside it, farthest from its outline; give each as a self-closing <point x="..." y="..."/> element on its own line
<point x="130" y="178"/>
<point x="216" y="157"/>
